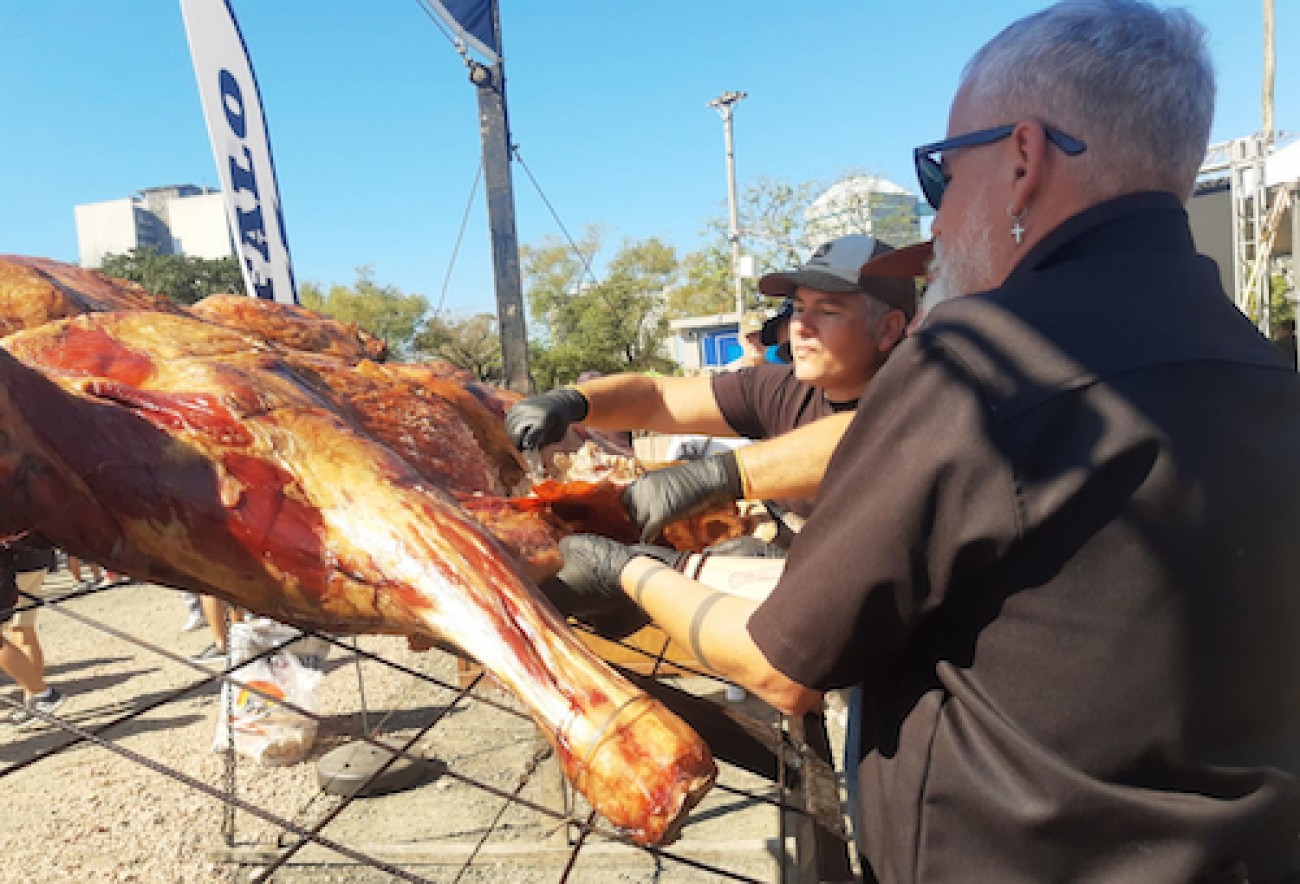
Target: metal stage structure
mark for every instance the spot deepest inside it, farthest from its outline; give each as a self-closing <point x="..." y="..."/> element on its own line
<point x="1258" y="210"/>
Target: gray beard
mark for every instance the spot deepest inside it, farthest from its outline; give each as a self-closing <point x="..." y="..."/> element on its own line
<point x="959" y="271"/>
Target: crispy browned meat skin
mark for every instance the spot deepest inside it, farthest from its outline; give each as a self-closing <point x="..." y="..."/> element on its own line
<point x="194" y="456"/>
<point x="34" y="291"/>
<point x="291" y="326"/>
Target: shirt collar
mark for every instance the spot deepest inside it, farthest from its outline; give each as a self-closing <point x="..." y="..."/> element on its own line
<point x="1126" y="223"/>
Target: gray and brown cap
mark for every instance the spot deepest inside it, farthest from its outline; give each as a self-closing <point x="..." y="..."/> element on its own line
<point x="837" y="267"/>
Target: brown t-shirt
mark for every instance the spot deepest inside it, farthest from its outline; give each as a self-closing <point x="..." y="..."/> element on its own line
<point x="1073" y="598"/>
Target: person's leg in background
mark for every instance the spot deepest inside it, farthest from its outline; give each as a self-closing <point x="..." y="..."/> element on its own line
<point x="21" y="630"/>
<point x="218" y="614"/>
<point x="25" y="651"/>
<point x="13" y="662"/>
<point x="74" y="568"/>
<point x="18" y="667"/>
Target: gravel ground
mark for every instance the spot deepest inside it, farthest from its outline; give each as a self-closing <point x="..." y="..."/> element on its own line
<point x="90" y="814"/>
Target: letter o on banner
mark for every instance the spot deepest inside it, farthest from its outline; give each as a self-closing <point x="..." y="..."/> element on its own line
<point x="232" y="101"/>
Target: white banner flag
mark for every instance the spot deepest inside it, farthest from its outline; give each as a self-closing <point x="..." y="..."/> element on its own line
<point x="241" y="146"/>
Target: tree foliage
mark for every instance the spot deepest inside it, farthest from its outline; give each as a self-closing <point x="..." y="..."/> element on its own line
<point x="772" y="222"/>
<point x="180" y="277"/>
<point x="381" y="310"/>
<point x="771" y="216"/>
<point x="609" y="325"/>
<point x="775" y="231"/>
<point x="707" y="285"/>
<point x="470" y="342"/>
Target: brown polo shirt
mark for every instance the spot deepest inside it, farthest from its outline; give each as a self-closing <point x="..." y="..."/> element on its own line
<point x="1059" y="547"/>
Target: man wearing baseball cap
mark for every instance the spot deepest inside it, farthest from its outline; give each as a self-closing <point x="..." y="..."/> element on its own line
<point x="842" y="328"/>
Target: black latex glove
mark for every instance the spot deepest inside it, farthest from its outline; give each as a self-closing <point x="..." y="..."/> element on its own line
<point x="587" y="586"/>
<point x="663" y="496"/>
<point x="539" y="421"/>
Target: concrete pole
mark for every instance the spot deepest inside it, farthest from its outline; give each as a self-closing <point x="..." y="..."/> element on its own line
<point x="1270" y="65"/>
<point x="724" y="104"/>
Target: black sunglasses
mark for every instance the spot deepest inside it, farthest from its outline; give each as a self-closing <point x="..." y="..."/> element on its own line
<point x="929" y="170"/>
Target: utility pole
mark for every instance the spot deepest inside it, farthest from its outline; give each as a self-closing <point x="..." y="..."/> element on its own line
<point x="724" y="104"/>
<point x="1270" y="65"/>
<point x="495" y="130"/>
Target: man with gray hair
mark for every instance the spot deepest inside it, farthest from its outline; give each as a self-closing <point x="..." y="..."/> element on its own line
<point x="1056" y="546"/>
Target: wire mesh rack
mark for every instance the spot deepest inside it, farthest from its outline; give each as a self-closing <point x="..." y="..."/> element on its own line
<point x="491" y="803"/>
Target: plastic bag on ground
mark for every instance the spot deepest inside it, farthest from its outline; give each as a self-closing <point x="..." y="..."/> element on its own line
<point x="269" y="733"/>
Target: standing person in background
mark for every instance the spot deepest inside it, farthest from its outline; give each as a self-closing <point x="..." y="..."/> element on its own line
<point x="1056" y="546"/>
<point x="24" y="562"/>
<point x="749" y="336"/>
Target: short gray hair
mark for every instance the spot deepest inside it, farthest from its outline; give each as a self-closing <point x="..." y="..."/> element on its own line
<point x="1134" y="82"/>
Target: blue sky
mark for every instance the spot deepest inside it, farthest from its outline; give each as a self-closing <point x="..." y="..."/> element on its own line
<point x="374" y="124"/>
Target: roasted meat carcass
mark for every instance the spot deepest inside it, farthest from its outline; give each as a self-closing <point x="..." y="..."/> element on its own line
<point x="197" y="457"/>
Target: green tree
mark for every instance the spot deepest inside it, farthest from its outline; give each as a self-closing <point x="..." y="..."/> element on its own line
<point x="707" y="287"/>
<point x="552" y="272"/>
<point x="611" y="325"/>
<point x="1282" y="307"/>
<point x="470" y="342"/>
<point x="775" y="231"/>
<point x="384" y="311"/>
<point x="772" y="222"/>
<point x="180" y="277"/>
<point x="771" y="217"/>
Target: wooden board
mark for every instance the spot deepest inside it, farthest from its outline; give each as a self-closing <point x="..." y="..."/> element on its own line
<point x="649" y="639"/>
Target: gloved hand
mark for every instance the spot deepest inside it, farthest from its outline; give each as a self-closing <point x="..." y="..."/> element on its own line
<point x="663" y="496"/>
<point x="539" y="421"/>
<point x="587" y="586"/>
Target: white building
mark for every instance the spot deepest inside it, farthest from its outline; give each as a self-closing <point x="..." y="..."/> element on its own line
<point x="180" y="219"/>
<point x="863" y="204"/>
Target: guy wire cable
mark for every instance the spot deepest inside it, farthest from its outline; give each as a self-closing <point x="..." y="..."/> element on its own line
<point x="586" y="265"/>
<point x="460" y="236"/>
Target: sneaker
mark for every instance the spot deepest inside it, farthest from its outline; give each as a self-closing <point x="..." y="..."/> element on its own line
<point x="47" y="702"/>
<point x="87" y="585"/>
<point x="196" y="621"/>
<point x="210" y="654"/>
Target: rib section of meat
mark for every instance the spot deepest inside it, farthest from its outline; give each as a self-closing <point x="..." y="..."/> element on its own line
<point x="198" y="457"/>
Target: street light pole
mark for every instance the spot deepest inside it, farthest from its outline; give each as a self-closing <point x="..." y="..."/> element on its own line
<point x="724" y="104"/>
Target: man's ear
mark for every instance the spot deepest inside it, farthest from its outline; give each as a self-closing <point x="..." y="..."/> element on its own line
<point x="1029" y="145"/>
<point x="893" y="328"/>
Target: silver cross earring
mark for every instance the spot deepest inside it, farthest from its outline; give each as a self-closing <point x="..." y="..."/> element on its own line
<point x="1017" y="229"/>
